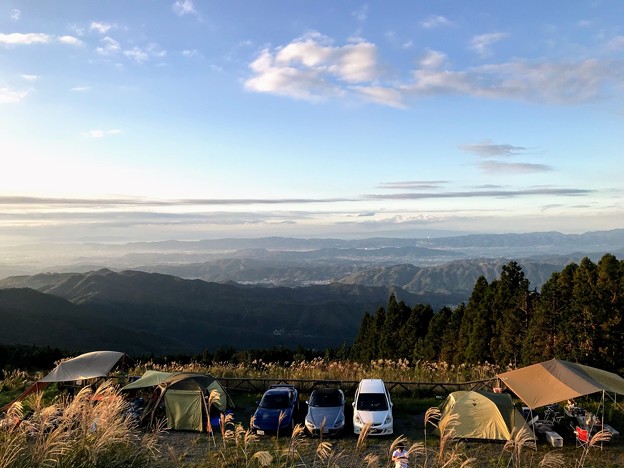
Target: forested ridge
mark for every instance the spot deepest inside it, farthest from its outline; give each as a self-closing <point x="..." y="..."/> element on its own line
<point x="577" y="315"/>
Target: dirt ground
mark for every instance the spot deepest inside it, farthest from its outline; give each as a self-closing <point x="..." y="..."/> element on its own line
<point x="190" y="449"/>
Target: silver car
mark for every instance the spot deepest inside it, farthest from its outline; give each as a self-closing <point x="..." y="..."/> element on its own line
<point x="326" y="412"/>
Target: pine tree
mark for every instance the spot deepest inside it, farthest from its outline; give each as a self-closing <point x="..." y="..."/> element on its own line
<point x="415" y="331"/>
<point x="450" y="338"/>
<point x="432" y="345"/>
<point x="511" y="308"/>
<point x="479" y="308"/>
<point x="608" y="313"/>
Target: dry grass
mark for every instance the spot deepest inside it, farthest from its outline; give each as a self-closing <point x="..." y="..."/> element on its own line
<point x="319" y="368"/>
<point x="92" y="429"/>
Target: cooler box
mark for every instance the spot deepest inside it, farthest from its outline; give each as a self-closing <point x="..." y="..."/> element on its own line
<point x="554" y="439"/>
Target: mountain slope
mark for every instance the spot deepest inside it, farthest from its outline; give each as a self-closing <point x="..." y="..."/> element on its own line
<point x="192" y="315"/>
<point x="457" y="277"/>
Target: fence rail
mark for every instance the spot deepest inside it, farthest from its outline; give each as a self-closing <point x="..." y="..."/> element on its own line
<point x="240" y="384"/>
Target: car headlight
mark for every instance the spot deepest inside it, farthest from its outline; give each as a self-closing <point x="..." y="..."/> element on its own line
<point x="358" y="419"/>
<point x="388" y="419"/>
<point x="339" y="421"/>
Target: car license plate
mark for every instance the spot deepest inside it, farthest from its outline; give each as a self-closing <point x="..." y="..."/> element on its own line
<point x="260" y="432"/>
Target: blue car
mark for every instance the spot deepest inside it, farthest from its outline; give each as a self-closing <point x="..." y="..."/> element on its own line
<point x="277" y="400"/>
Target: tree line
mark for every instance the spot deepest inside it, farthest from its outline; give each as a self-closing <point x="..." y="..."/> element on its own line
<point x="577" y="315"/>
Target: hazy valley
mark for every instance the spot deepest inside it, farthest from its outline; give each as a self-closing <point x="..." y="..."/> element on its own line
<point x="188" y="296"/>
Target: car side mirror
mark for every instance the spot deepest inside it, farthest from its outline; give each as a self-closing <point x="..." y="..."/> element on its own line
<point x="353" y="404"/>
<point x="307" y="402"/>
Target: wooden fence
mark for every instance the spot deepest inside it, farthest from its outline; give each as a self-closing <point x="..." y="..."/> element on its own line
<point x="418" y="389"/>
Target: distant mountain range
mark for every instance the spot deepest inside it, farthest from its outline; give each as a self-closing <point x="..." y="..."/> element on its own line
<point x="187" y="296"/>
<point x="146" y="312"/>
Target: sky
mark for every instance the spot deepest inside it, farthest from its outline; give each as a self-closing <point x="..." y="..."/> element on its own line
<point x="188" y="119"/>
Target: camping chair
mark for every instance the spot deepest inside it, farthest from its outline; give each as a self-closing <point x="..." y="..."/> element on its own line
<point x="582" y="437"/>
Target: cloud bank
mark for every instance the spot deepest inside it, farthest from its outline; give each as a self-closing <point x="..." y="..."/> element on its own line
<point x="314" y="68"/>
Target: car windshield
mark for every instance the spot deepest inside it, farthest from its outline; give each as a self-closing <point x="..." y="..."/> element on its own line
<point x="372" y="402"/>
<point x="274" y="401"/>
<point x="325" y="399"/>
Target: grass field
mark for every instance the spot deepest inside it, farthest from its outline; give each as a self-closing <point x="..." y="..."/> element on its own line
<point x="88" y="432"/>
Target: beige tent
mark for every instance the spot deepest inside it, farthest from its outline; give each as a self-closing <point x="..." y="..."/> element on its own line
<point x="185" y="395"/>
<point x="84" y="367"/>
<point x="484" y="415"/>
<point x="556" y="380"/>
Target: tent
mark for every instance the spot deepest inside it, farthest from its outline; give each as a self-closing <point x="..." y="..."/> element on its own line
<point x="185" y="395"/>
<point x="83" y="367"/>
<point x="86" y="366"/>
<point x="556" y="380"/>
<point x="483" y="415"/>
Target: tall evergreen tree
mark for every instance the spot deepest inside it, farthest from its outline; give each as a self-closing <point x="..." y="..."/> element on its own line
<point x="608" y="312"/>
<point x="390" y="339"/>
<point x="511" y="308"/>
<point x="479" y="309"/>
<point x="360" y="351"/>
<point x="417" y="327"/>
<point x="450" y="338"/>
<point x="432" y="345"/>
<point x="582" y="321"/>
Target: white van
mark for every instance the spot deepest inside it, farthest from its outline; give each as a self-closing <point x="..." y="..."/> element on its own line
<point x="372" y="405"/>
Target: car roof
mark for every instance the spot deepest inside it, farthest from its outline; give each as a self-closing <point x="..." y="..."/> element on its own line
<point x="280" y="390"/>
<point x="372" y="386"/>
<point x="327" y="390"/>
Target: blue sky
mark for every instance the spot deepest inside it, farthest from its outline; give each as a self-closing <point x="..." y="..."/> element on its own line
<point x="146" y="120"/>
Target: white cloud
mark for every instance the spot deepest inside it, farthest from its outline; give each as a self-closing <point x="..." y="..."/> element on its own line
<point x="109" y="47"/>
<point x="15" y="15"/>
<point x="143" y="55"/>
<point x="361" y="14"/>
<point x="615" y="44"/>
<point x="489" y="149"/>
<point x="24" y="39"/>
<point x="184" y="7"/>
<point x="311" y="67"/>
<point x="70" y="40"/>
<point x="553" y="83"/>
<point x="314" y="68"/>
<point x="10" y="95"/>
<point x="97" y="133"/>
<point x="191" y="53"/>
<point x="433" y="59"/>
<point x="498" y="167"/>
<point x="14" y="39"/>
<point x="386" y="96"/>
<point x="435" y="22"/>
<point x="100" y="27"/>
<point x="481" y="44"/>
<point x="81" y="89"/>
<point x="136" y="54"/>
<point x="30" y="77"/>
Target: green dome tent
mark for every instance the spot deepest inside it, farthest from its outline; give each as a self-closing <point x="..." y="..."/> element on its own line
<point x="483" y="415"/>
<point x="186" y="398"/>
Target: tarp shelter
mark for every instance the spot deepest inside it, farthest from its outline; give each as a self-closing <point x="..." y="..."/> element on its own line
<point x="186" y="397"/>
<point x="84" y="367"/>
<point x="483" y="415"/>
<point x="556" y="380"/>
